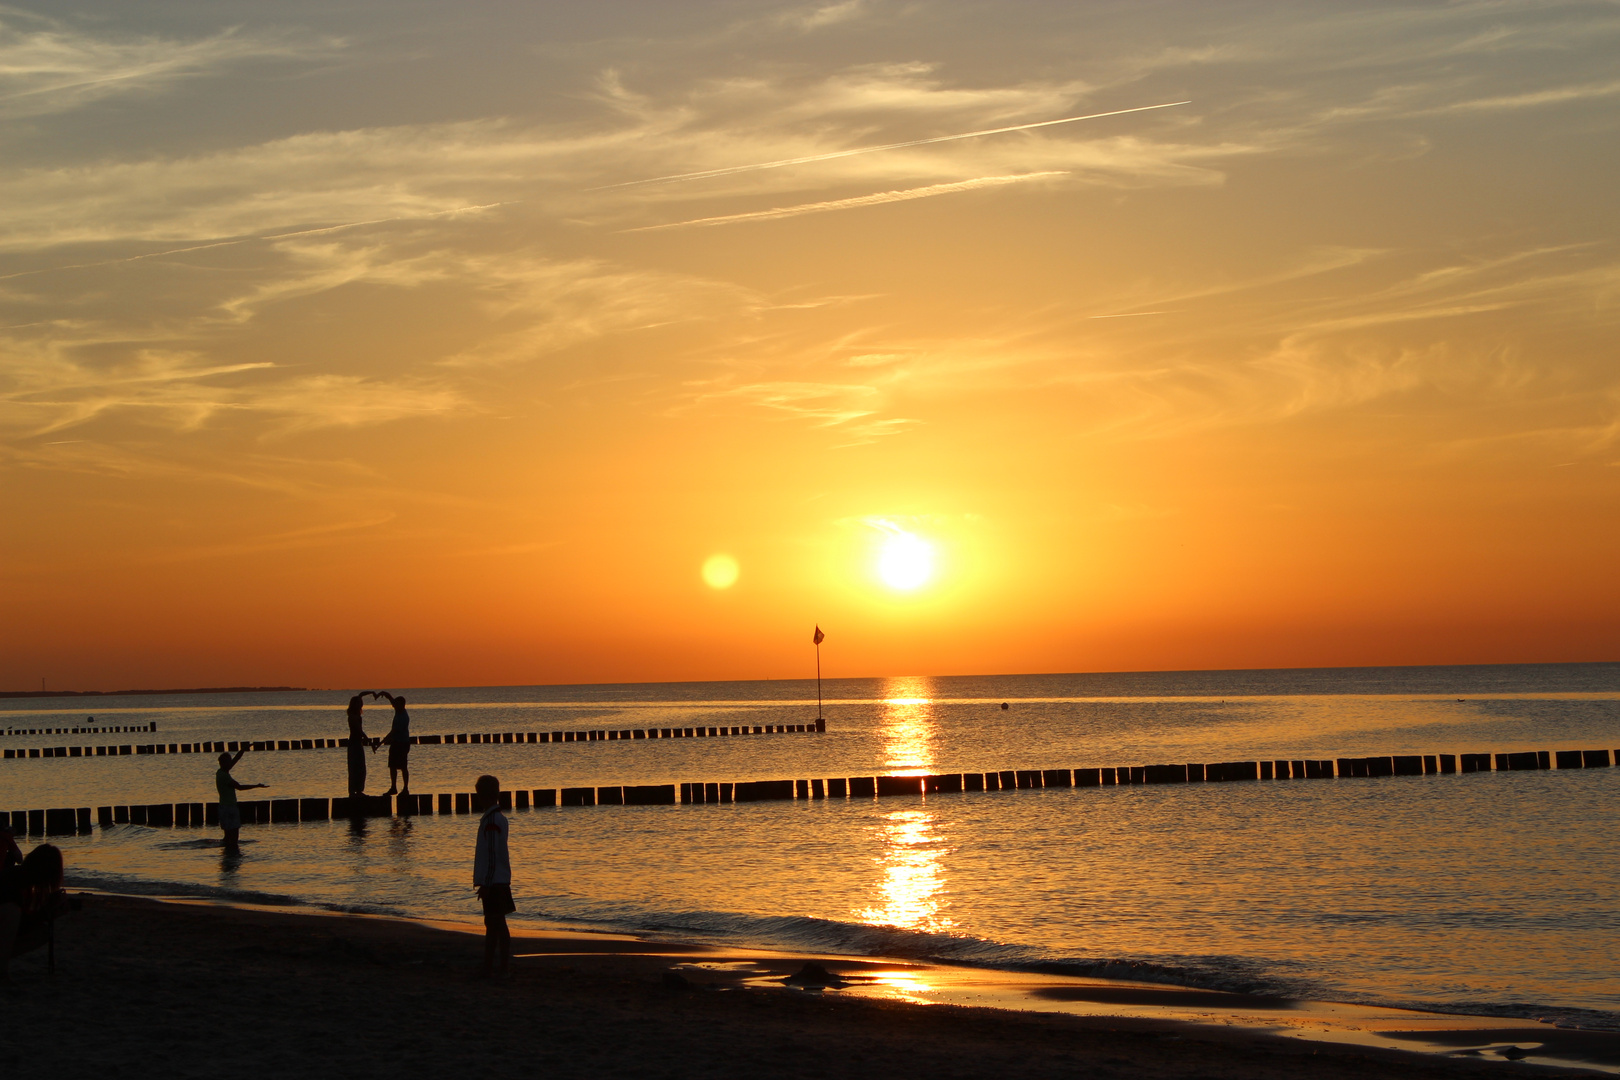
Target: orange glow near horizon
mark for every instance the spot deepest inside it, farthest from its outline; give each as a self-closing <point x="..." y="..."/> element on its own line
<point x="405" y="377"/>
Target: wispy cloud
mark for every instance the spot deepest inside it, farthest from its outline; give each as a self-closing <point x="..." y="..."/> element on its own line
<point x="724" y="132"/>
<point x="46" y="390"/>
<point x="1437" y="330"/>
<point x="179" y="205"/>
<point x="332" y="400"/>
<point x="822" y="15"/>
<point x="349" y="179"/>
<point x="834" y="155"/>
<point x="876" y="199"/>
<point x="268" y="238"/>
<point x="157" y="365"/>
<point x="1257" y="352"/>
<point x="49" y="66"/>
<point x="1556" y="95"/>
<point x="827" y="404"/>
<point x="543" y="306"/>
<point x="471" y="213"/>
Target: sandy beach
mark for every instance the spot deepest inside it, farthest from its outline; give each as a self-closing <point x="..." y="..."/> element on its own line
<point x="150" y="988"/>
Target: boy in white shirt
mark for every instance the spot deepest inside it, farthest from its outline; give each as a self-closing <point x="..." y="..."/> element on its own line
<point x="492" y="873"/>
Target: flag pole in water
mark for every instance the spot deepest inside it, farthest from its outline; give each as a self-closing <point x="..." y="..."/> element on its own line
<point x="817" y="640"/>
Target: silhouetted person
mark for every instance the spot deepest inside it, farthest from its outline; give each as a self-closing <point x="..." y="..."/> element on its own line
<point x="399" y="745"/>
<point x="492" y="873"/>
<point x="29" y="894"/>
<point x="230" y="815"/>
<point x="357" y="745"/>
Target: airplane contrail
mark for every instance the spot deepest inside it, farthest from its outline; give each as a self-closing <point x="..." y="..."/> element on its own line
<point x="877" y="199"/>
<point x="874" y="149"/>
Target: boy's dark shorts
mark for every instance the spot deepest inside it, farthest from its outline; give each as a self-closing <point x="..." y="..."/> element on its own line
<point x="498" y="900"/>
<point x="399" y="755"/>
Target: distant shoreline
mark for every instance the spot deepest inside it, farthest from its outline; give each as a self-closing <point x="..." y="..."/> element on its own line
<point x="128" y="693"/>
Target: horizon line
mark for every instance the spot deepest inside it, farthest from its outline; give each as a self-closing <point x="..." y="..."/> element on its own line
<point x="23" y="694"/>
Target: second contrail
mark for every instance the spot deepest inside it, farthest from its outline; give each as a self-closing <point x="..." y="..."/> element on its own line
<point x="886" y="146"/>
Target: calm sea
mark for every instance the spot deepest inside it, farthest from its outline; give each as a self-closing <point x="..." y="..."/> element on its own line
<point x="1496" y="893"/>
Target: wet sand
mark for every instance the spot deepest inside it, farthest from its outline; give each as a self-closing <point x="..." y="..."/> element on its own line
<point x="145" y="988"/>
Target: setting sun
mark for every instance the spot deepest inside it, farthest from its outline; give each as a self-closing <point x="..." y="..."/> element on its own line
<point x="906" y="562"/>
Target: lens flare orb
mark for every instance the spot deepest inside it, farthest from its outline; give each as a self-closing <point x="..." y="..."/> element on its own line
<point x="720" y="572"/>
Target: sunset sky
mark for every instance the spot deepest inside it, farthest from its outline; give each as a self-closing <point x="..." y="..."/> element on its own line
<point x="365" y="343"/>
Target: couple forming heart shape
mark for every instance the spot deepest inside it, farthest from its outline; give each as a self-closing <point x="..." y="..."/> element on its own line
<point x="398" y="740"/>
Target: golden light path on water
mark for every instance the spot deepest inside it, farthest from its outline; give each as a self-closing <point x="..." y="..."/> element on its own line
<point x="911" y="849"/>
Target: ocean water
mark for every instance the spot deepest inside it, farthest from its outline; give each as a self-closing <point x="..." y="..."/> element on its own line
<point x="1493" y="893"/>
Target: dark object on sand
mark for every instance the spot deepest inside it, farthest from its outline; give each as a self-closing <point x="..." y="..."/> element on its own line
<point x="1003" y="704"/>
<point x="677" y="983"/>
<point x="31" y="898"/>
<point x="814" y="976"/>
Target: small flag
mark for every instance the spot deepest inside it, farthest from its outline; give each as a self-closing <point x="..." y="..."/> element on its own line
<point x="819" y="638"/>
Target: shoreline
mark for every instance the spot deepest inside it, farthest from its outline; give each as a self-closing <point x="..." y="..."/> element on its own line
<point x="184" y="968"/>
<point x="1023" y="985"/>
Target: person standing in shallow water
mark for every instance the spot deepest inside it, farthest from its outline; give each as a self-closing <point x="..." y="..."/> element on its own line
<point x="492" y="873"/>
<point x="230" y="815"/>
<point x="358" y="742"/>
<point x="399" y="745"/>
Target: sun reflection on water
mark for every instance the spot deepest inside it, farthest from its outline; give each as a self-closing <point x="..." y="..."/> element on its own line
<point x="903" y="986"/>
<point x="910" y="891"/>
<point x="908" y="726"/>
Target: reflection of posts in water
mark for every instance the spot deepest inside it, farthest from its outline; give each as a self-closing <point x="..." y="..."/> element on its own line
<point x="399" y="835"/>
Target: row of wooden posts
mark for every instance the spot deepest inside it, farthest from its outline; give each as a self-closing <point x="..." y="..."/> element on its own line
<point x="108" y="730"/>
<point x="266" y="811"/>
<point x="490" y="738"/>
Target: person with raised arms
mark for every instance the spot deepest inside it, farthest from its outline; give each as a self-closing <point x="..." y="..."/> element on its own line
<point x="230" y="815"/>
